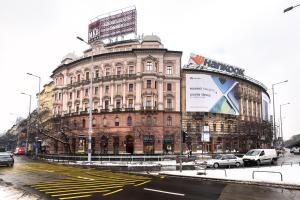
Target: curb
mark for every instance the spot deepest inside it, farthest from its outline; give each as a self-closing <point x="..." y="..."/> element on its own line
<point x="277" y="185"/>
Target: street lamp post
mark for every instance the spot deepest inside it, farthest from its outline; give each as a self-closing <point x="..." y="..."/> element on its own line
<point x="290" y="8"/>
<point x="274" y="122"/>
<point x="90" y="104"/>
<point x="38" y="108"/>
<point x="281" y="119"/>
<point x="28" y="121"/>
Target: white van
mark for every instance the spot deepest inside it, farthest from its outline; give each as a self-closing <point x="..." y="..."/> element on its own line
<point x="260" y="156"/>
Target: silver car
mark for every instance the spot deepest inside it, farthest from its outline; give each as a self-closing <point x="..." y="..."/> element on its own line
<point x="6" y="159"/>
<point x="224" y="160"/>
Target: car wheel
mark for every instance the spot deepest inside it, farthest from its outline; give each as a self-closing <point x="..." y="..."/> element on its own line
<point x="258" y="162"/>
<point x="216" y="165"/>
<point x="237" y="164"/>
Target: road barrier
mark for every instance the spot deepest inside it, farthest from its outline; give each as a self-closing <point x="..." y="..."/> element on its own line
<point x="268" y="172"/>
<point x="287" y="163"/>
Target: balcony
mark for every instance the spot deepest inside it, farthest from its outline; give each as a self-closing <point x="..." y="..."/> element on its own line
<point x="168" y="109"/>
<point x="117" y="109"/>
<point x="149" y="109"/>
<point x="104" y="110"/>
<point x="84" y="112"/>
<point x="129" y="109"/>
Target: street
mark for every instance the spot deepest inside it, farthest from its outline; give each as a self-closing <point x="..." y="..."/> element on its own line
<point x="51" y="181"/>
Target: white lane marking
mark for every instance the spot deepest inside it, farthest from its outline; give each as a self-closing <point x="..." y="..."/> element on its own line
<point x="86" y="178"/>
<point x="161" y="191"/>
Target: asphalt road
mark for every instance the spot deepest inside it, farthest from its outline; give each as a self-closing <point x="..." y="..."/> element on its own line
<point x="50" y="181"/>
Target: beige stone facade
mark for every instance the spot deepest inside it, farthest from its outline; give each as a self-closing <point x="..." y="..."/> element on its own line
<point x="135" y="98"/>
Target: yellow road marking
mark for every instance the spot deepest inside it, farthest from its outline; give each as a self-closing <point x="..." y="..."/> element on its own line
<point x="142" y="183"/>
<point x="86" y="189"/>
<point x="112" y="192"/>
<point x="90" y="192"/>
<point x="75" y="197"/>
<point x="79" y="187"/>
<point x="80" y="183"/>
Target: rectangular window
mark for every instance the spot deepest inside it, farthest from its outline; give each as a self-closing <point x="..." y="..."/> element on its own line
<point x="86" y="92"/>
<point x="70" y="109"/>
<point x="222" y="127"/>
<point x="148" y="83"/>
<point x="78" y="93"/>
<point x="169" y="70"/>
<point x="107" y="72"/>
<point x="130" y="103"/>
<point x="149" y="66"/>
<point x="106" y="104"/>
<point x="87" y="75"/>
<point x="119" y="71"/>
<point x="169" y="87"/>
<point x="131" y="71"/>
<point x="97" y="74"/>
<point x="55" y="97"/>
<point x="77" y="108"/>
<point x="155" y="84"/>
<point x="78" y="77"/>
<point x="214" y="127"/>
<point x="169" y="103"/>
<point x="71" y="80"/>
<point x="70" y="95"/>
<point x="130" y="87"/>
<point x="148" y="102"/>
<point x="118" y="104"/>
<point x="96" y="90"/>
<point x="59" y="96"/>
<point x="118" y="88"/>
<point x="106" y="89"/>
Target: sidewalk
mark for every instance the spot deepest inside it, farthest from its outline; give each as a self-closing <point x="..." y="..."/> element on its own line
<point x="270" y="175"/>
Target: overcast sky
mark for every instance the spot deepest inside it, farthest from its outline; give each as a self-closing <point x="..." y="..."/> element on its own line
<point x="255" y="35"/>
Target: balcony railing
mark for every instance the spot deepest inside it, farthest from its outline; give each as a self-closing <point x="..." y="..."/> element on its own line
<point x="168" y="109"/>
<point x="117" y="109"/>
<point x="129" y="109"/>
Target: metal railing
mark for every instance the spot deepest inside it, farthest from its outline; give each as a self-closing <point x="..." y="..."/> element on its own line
<point x="268" y="172"/>
<point x="109" y="158"/>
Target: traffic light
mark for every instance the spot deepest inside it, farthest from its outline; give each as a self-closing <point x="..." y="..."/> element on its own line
<point x="183" y="135"/>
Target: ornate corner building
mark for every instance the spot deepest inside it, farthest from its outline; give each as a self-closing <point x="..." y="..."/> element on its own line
<point x="135" y="98"/>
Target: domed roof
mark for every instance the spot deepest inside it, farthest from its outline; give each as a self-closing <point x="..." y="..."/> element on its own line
<point x="151" y="38"/>
<point x="69" y="58"/>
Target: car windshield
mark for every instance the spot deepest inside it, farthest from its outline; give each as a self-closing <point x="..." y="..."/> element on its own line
<point x="253" y="153"/>
<point x="218" y="157"/>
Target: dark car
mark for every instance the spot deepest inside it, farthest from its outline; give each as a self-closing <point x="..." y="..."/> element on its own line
<point x="6" y="159"/>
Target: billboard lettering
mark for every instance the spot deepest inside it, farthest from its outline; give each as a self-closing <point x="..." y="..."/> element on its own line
<point x="112" y="26"/>
<point x="200" y="62"/>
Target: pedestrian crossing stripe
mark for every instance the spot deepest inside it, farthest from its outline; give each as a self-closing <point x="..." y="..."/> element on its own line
<point x="85" y="189"/>
<point x="89" y="192"/>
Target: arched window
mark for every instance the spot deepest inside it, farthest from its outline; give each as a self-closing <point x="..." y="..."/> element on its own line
<point x="117" y="121"/>
<point x="83" y="123"/>
<point x="169" y="121"/>
<point x="129" y="121"/>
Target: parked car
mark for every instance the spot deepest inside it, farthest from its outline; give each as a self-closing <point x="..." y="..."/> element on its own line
<point x="260" y="156"/>
<point x="20" y="151"/>
<point x="224" y="160"/>
<point x="6" y="159"/>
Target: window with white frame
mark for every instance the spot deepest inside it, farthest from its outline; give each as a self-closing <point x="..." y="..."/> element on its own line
<point x="130" y="103"/>
<point x="149" y="65"/>
<point x="118" y="70"/>
<point x="131" y="70"/>
<point x="169" y="103"/>
<point x="130" y="87"/>
<point x="169" y="70"/>
<point x="169" y="121"/>
<point x="107" y="71"/>
<point x="87" y="75"/>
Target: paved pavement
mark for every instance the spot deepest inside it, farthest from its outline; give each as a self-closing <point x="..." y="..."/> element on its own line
<point x="50" y="181"/>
